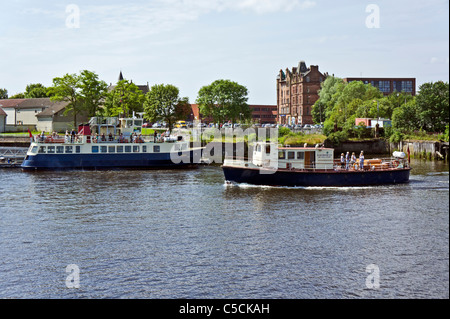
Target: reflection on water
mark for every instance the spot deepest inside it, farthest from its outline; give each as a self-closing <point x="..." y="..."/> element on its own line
<point x="186" y="234"/>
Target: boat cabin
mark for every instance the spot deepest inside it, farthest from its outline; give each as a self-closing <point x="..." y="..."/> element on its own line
<point x="116" y="126"/>
<point x="292" y="157"/>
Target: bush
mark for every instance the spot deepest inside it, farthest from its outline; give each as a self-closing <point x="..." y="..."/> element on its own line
<point x="396" y="137"/>
<point x="282" y="131"/>
<point x="338" y="137"/>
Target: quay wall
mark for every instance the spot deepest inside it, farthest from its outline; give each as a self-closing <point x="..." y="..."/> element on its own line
<point x="14" y="141"/>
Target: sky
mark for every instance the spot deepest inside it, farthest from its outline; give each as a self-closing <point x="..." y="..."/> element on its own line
<point x="191" y="43"/>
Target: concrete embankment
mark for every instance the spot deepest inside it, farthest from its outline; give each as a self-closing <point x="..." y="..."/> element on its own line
<point x="418" y="149"/>
<point x="14" y="141"/>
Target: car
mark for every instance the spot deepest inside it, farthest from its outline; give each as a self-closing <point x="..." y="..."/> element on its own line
<point x="307" y="127"/>
<point x="157" y="125"/>
<point x="236" y="125"/>
<point x="201" y="125"/>
<point x="181" y="124"/>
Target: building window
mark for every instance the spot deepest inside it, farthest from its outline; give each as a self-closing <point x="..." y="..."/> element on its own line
<point x="407" y="86"/>
<point x="385" y="86"/>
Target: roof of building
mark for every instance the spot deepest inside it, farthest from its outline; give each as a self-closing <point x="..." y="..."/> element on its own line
<point x="2" y="112"/>
<point x="10" y="103"/>
<point x="26" y="103"/>
<point x="53" y="109"/>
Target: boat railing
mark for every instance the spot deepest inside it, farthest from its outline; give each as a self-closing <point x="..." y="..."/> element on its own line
<point x="369" y="165"/>
<point x="97" y="139"/>
<point x="376" y="164"/>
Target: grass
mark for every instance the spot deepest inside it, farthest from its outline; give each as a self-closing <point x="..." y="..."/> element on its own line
<point x="300" y="139"/>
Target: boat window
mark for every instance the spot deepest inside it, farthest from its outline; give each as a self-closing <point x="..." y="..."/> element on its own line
<point x="111" y="149"/>
<point x="129" y="123"/>
<point x="156" y="148"/>
<point x="51" y="150"/>
<point x="119" y="149"/>
<point x="300" y="155"/>
<point x="281" y="155"/>
<point x="268" y="149"/>
<point x="59" y="149"/>
<point x="42" y="149"/>
<point x="135" y="148"/>
<point x="78" y="149"/>
<point x="34" y="149"/>
<point x="291" y="155"/>
<point x="103" y="149"/>
<point x="69" y="149"/>
<point x="138" y="122"/>
<point x="258" y="148"/>
<point x="94" y="149"/>
<point x="127" y="149"/>
<point x="144" y="148"/>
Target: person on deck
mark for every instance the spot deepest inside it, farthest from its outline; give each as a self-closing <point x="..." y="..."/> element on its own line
<point x="361" y="160"/>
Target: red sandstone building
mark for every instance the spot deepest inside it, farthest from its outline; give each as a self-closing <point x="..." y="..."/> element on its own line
<point x="260" y="114"/>
<point x="297" y="91"/>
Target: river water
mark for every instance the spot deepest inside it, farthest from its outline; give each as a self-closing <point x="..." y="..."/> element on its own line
<point x="185" y="234"/>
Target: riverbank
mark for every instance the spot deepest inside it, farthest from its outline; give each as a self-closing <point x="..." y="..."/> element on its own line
<point x="431" y="150"/>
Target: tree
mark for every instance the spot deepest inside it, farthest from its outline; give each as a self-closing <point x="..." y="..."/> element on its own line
<point x="433" y="106"/>
<point x="92" y="92"/>
<point x="162" y="103"/>
<point x="67" y="89"/>
<point x="34" y="91"/>
<point x="348" y="101"/>
<point x="327" y="95"/>
<point x="224" y="100"/>
<point x="18" y="96"/>
<point x="3" y="94"/>
<point x="124" y="99"/>
<point x="406" y="118"/>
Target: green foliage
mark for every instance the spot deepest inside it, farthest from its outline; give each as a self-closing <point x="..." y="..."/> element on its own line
<point x="83" y="92"/>
<point x="433" y="106"/>
<point x="224" y="100"/>
<point x="34" y="91"/>
<point x="18" y="96"/>
<point x="3" y="94"/>
<point x="92" y="91"/>
<point x="446" y="133"/>
<point x="396" y="137"/>
<point x="282" y="131"/>
<point x="66" y="88"/>
<point x="338" y="137"/>
<point x="124" y="99"/>
<point x="162" y="103"/>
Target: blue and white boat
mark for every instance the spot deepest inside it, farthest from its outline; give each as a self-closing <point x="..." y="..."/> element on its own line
<point x="110" y="143"/>
<point x="271" y="165"/>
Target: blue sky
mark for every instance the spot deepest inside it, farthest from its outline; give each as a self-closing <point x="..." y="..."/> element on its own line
<point x="191" y="43"/>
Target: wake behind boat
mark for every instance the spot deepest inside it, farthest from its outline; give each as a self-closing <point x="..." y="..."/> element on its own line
<point x="312" y="166"/>
<point x="109" y="143"/>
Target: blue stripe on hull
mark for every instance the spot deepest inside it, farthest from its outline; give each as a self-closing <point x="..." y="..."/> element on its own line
<point x="293" y="179"/>
<point x="103" y="161"/>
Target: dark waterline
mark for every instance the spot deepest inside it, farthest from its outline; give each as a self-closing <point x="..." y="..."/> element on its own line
<point x="185" y="234"/>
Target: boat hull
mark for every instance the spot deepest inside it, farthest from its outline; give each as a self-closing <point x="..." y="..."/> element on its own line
<point x="297" y="178"/>
<point x="106" y="161"/>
